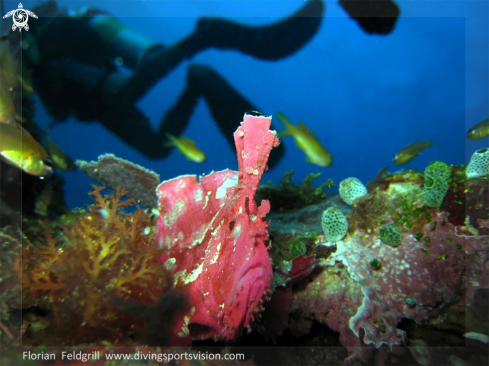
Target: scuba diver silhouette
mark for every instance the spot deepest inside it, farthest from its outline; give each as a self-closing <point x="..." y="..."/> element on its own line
<point x="74" y="58"/>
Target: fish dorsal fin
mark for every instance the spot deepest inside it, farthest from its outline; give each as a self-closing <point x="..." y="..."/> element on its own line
<point x="185" y="139"/>
<point x="412" y="144"/>
<point x="303" y="128"/>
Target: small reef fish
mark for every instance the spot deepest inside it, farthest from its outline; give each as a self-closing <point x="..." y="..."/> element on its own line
<point x="20" y="149"/>
<point x="305" y="140"/>
<point x="60" y="160"/>
<point x="186" y="147"/>
<point x="411" y="151"/>
<point x="479" y="131"/>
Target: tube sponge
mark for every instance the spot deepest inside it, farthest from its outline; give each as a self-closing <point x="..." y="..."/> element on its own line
<point x="335" y="224"/>
<point x="479" y="164"/>
<point x="438" y="169"/>
<point x="436" y="183"/>
<point x="351" y="189"/>
<point x="390" y="235"/>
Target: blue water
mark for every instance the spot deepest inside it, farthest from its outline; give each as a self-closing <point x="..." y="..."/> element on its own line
<point x="364" y="96"/>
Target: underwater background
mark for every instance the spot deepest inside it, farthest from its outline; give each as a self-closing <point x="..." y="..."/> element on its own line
<point x="364" y="96"/>
<point x="401" y="274"/>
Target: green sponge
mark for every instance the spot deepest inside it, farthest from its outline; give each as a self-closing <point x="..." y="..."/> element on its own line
<point x="351" y="189"/>
<point x="297" y="248"/>
<point x="335" y="224"/>
<point x="479" y="164"/>
<point x="438" y="169"/>
<point x="436" y="183"/>
<point x="390" y="235"/>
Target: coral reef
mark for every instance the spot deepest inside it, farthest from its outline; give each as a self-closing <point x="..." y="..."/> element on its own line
<point x="442" y="261"/>
<point x="406" y="260"/>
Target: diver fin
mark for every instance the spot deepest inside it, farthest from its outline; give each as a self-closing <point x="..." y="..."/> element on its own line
<point x="268" y="42"/>
<point x="374" y="17"/>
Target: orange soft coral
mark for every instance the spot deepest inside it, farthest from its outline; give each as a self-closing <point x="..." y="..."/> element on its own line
<point x="81" y="276"/>
<point x="38" y="273"/>
<point x="116" y="249"/>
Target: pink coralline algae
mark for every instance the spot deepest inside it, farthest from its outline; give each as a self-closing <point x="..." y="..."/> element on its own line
<point x="438" y="267"/>
<point x="216" y="239"/>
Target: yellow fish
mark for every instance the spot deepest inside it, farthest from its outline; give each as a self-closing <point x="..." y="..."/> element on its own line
<point x="60" y="160"/>
<point x="19" y="148"/>
<point x="186" y="147"/>
<point x="411" y="151"/>
<point x="479" y="131"/>
<point x="305" y="140"/>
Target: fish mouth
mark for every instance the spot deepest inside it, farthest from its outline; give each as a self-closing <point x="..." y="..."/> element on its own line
<point x="251" y="290"/>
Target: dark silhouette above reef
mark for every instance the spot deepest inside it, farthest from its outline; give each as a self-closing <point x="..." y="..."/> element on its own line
<point x="78" y="73"/>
